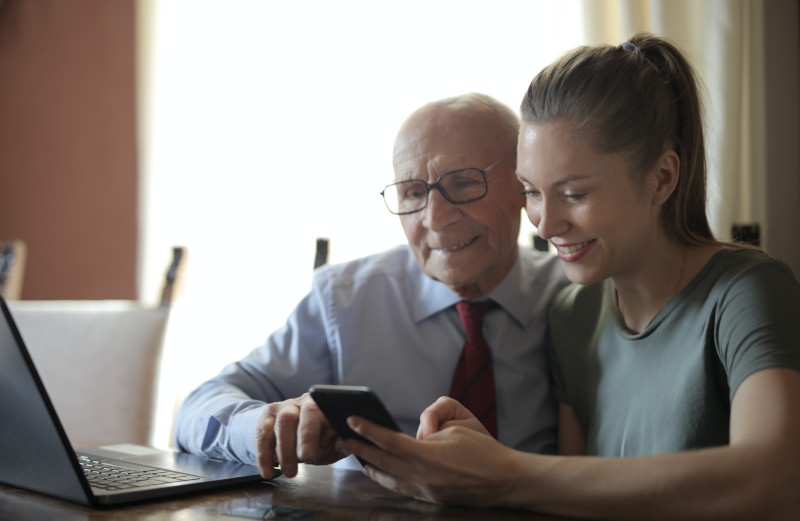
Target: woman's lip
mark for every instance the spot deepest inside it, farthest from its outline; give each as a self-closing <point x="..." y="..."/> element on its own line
<point x="574" y="251"/>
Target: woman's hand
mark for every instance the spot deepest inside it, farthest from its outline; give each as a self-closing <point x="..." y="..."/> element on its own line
<point x="447" y="412"/>
<point x="458" y="464"/>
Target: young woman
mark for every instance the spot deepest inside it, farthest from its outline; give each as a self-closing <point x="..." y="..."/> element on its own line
<point x="676" y="357"/>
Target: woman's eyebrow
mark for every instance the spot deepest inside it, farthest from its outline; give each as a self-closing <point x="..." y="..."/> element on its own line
<point x="561" y="182"/>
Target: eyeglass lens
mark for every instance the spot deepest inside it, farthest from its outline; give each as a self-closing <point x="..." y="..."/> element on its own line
<point x="461" y="186"/>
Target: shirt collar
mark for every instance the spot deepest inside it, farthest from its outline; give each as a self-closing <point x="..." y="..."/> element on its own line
<point x="433" y="297"/>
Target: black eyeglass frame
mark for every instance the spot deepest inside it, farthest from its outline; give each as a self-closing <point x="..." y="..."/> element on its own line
<point x="437" y="185"/>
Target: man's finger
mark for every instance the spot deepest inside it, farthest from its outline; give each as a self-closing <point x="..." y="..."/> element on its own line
<point x="286" y="438"/>
<point x="265" y="443"/>
<point x="309" y="430"/>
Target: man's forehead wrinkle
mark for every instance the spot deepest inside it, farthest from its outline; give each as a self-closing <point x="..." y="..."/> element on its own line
<point x="409" y="153"/>
<point x="416" y="160"/>
<point x="449" y="136"/>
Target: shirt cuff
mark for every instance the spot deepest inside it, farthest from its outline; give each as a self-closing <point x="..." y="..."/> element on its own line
<point x="243" y="430"/>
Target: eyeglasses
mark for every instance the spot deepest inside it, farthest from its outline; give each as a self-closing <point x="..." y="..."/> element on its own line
<point x="457" y="187"/>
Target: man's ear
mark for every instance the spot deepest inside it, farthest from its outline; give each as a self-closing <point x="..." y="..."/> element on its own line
<point x="667" y="172"/>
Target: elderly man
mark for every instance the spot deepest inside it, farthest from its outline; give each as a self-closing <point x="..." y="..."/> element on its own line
<point x="391" y="322"/>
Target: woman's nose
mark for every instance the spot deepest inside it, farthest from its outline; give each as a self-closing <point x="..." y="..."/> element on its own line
<point x="545" y="217"/>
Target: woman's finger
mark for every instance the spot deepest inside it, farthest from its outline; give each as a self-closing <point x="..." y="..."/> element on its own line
<point x="439" y="413"/>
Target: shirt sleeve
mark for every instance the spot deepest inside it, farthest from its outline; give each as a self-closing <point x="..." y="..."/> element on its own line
<point x="219" y="418"/>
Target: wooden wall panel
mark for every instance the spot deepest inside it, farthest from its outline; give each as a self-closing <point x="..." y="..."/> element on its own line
<point x="68" y="161"/>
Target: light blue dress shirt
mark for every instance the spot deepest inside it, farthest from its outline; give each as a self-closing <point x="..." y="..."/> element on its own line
<point x="380" y="322"/>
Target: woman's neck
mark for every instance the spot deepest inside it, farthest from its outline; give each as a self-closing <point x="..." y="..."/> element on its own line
<point x="662" y="274"/>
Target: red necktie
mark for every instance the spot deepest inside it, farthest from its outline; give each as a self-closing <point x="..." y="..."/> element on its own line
<point x="473" y="380"/>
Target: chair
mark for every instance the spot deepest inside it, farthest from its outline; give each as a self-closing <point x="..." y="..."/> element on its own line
<point x="321" y="253"/>
<point x="173" y="276"/>
<point x="12" y="269"/>
<point x="99" y="361"/>
<point x="746" y="234"/>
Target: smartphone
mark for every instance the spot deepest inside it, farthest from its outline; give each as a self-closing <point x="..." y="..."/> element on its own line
<point x="339" y="402"/>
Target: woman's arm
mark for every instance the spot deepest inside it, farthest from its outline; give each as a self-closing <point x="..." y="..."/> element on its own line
<point x="757" y="476"/>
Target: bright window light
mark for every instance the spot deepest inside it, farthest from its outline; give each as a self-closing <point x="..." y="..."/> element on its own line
<point x="269" y="124"/>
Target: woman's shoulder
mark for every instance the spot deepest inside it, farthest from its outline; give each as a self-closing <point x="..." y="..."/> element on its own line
<point x="745" y="275"/>
<point x="732" y="263"/>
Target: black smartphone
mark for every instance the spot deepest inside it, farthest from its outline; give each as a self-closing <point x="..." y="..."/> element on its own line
<point x="339" y="402"/>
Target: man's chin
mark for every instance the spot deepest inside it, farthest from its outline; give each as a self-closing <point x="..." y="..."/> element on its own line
<point x="450" y="275"/>
<point x="460" y="282"/>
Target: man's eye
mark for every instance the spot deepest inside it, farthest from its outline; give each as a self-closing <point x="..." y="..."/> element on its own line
<point x="465" y="181"/>
<point x="413" y="193"/>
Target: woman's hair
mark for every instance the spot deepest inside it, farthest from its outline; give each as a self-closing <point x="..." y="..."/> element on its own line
<point x="638" y="99"/>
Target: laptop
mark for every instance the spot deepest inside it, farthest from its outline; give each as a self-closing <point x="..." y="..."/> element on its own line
<point x="36" y="455"/>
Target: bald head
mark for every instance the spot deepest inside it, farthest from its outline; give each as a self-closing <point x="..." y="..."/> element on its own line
<point x="470" y="247"/>
<point x="467" y="119"/>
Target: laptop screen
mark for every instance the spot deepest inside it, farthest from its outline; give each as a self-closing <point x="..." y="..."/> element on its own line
<point x="34" y="451"/>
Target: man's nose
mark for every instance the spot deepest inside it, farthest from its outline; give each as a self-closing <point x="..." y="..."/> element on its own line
<point x="439" y="212"/>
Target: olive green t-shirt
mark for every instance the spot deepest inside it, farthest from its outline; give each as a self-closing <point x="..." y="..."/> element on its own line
<point x="669" y="388"/>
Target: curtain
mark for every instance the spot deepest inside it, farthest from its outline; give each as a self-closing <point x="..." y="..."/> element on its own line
<point x="721" y="39"/>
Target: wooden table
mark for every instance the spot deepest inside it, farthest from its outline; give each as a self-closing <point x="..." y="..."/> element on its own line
<point x="335" y="494"/>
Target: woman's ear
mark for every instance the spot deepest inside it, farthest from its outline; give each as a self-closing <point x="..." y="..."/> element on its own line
<point x="667" y="172"/>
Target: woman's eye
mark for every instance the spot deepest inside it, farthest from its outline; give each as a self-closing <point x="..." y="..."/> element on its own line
<point x="574" y="196"/>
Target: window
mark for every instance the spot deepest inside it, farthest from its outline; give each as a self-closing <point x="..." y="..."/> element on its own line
<point x="253" y="113"/>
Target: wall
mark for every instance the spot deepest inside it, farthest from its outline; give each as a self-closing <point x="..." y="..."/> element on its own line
<point x="782" y="139"/>
<point x="68" y="161"/>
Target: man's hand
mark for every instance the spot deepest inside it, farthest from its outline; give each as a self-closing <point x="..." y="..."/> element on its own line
<point x="291" y="432"/>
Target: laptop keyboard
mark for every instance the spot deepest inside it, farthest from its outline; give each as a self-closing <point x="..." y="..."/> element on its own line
<point x="109" y="474"/>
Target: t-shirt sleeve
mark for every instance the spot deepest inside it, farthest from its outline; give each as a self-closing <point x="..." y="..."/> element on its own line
<point x="758" y="323"/>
